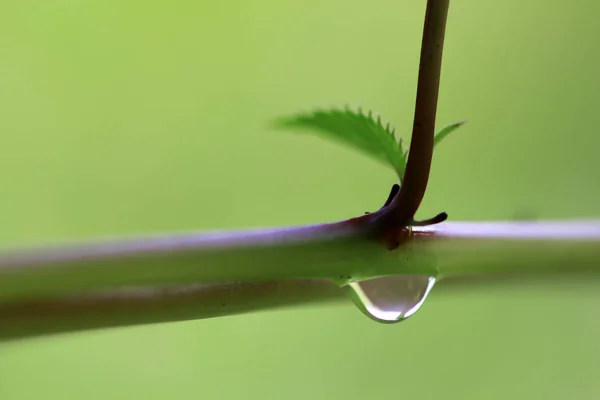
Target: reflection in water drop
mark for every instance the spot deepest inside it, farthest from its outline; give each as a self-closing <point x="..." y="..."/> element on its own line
<point x="390" y="299"/>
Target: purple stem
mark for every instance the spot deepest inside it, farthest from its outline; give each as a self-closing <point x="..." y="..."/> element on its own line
<point x="463" y="252"/>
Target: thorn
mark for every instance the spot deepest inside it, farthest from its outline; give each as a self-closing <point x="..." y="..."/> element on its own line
<point x="441" y="217"/>
<point x="371" y="114"/>
<point x="378" y="119"/>
<point x="393" y="193"/>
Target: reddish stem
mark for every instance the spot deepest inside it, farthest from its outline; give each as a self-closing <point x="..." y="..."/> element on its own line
<point x="408" y="200"/>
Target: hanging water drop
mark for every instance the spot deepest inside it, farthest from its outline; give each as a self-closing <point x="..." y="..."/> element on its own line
<point x="390" y="299"/>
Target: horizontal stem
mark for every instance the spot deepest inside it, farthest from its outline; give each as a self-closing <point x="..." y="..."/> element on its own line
<point x="315" y="251"/>
<point x="464" y="253"/>
<point x="136" y="306"/>
<point x="340" y="252"/>
<point x="505" y="248"/>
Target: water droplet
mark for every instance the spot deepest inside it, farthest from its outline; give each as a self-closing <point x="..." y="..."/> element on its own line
<point x="390" y="299"/>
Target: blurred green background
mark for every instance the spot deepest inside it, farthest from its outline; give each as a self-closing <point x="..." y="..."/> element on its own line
<point x="123" y="117"/>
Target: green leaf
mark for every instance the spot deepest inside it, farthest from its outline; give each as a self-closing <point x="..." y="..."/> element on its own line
<point x="355" y="129"/>
<point x="439" y="136"/>
<point x="361" y="132"/>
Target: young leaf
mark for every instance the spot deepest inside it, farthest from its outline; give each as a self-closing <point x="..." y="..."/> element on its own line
<point x="440" y="135"/>
<point x="360" y="131"/>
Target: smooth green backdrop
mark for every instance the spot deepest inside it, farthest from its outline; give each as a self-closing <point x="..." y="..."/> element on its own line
<point x="121" y="117"/>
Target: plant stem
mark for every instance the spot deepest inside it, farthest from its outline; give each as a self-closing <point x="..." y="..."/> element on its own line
<point x="336" y="252"/>
<point x="147" y="305"/>
<point x="418" y="166"/>
<point x="508" y="248"/>
<point x="462" y="252"/>
<point x="201" y="275"/>
<point x="246" y="255"/>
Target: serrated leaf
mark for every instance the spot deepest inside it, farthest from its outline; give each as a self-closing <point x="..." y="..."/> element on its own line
<point x="355" y="129"/>
<point x="442" y="133"/>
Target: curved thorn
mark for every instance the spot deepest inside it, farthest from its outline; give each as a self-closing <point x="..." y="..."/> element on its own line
<point x="441" y="217"/>
<point x="393" y="193"/>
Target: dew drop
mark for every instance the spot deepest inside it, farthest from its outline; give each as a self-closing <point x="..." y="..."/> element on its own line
<point x="390" y="299"/>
